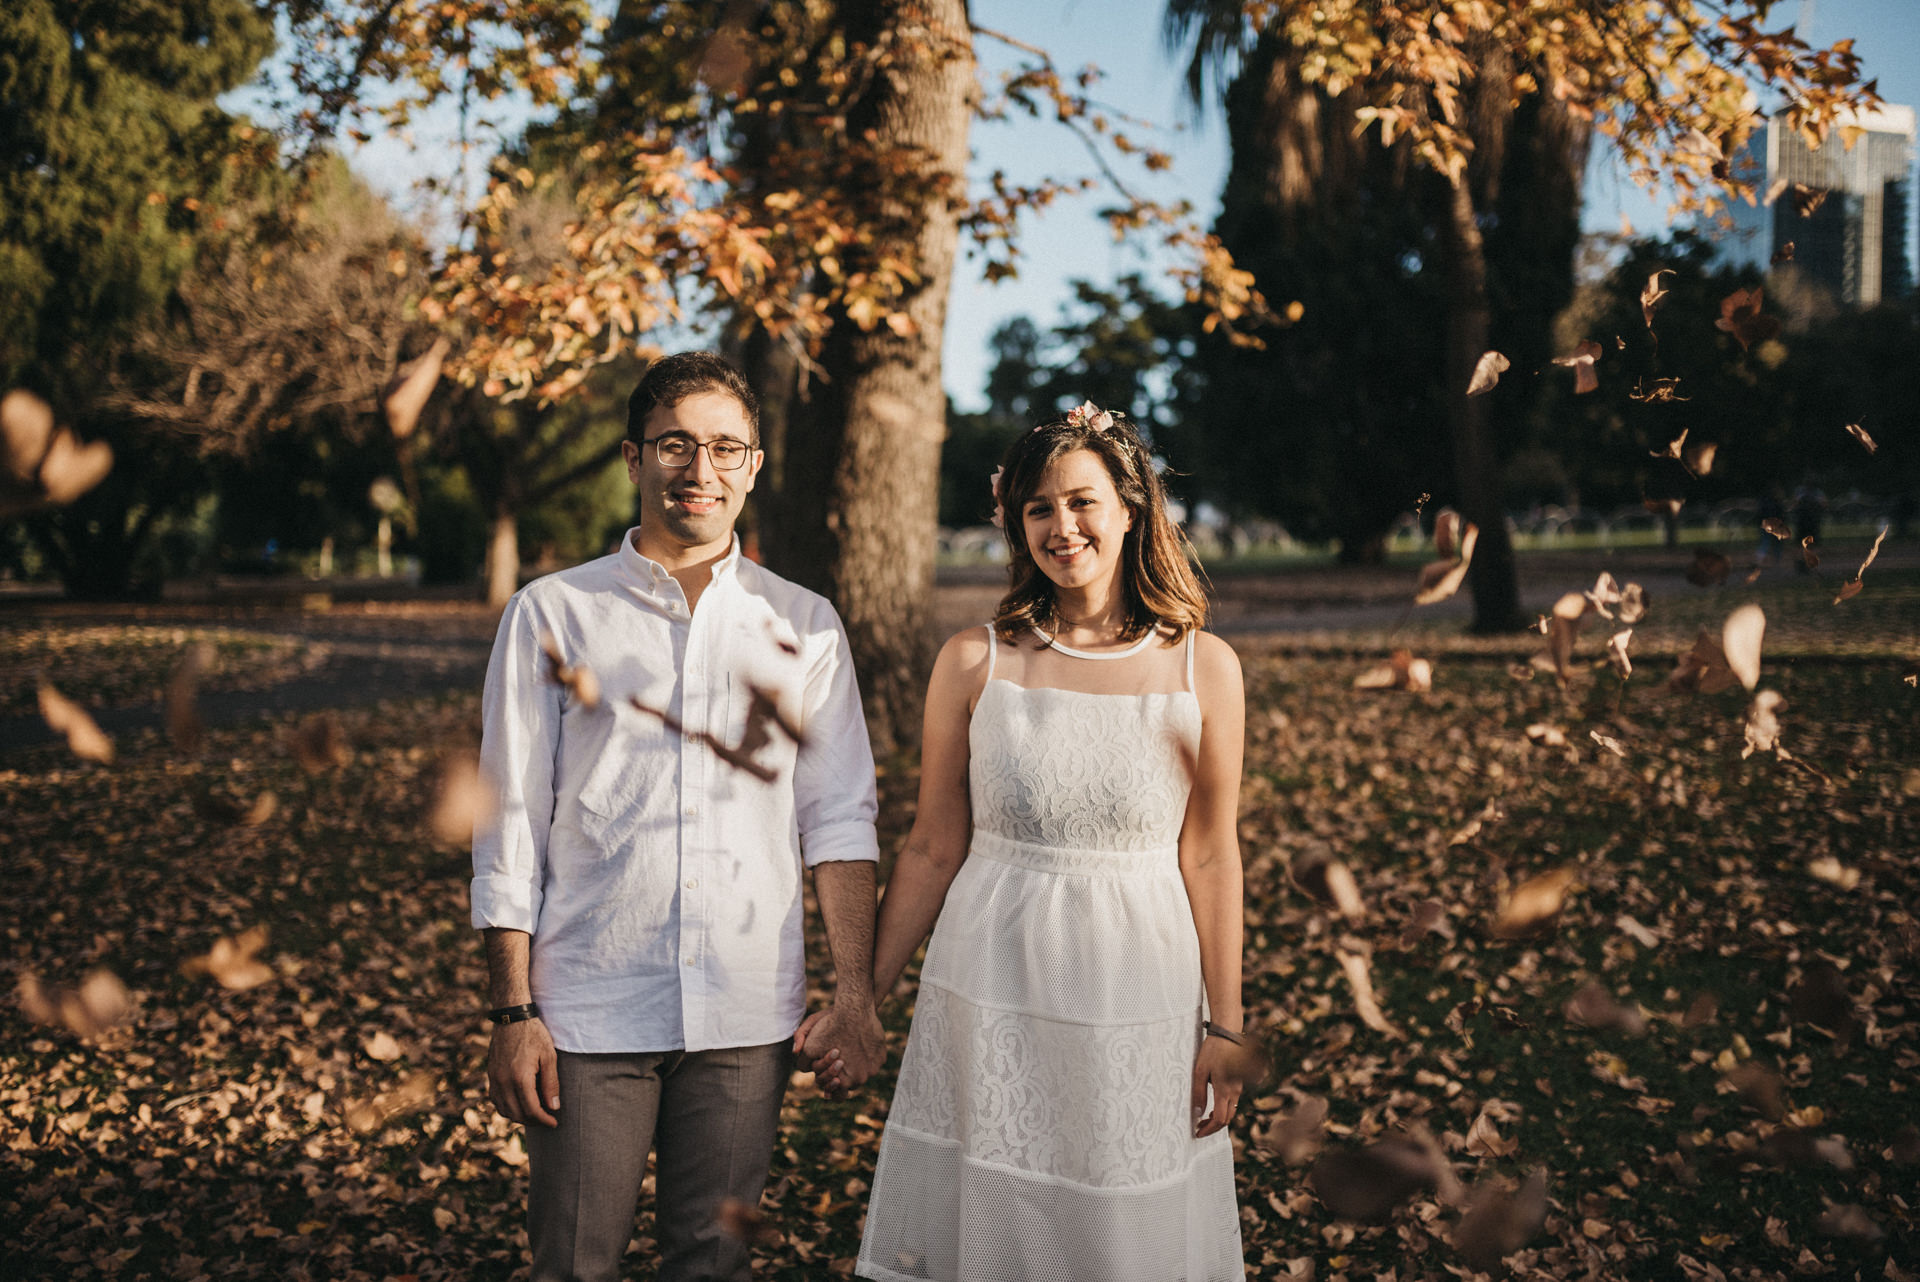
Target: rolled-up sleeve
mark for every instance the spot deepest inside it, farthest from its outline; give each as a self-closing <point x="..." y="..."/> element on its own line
<point x="520" y="735"/>
<point x="833" y="788"/>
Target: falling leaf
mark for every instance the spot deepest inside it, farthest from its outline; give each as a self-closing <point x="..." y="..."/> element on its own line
<point x="1698" y="459"/>
<point x="1534" y="905"/>
<point x="1912" y="675"/>
<point x="319" y="744"/>
<point x="264" y="807"/>
<point x="462" y="800"/>
<point x="1360" y="980"/>
<point x="1442" y="579"/>
<point x="1660" y="391"/>
<point x="1740" y="315"/>
<point x="99" y="1005"/>
<point x="1401" y="671"/>
<point x="1592" y="1006"/>
<point x="1581" y="362"/>
<point x="1704" y="1010"/>
<point x="1366" y="1184"/>
<point x="1331" y="882"/>
<point x="1546" y="736"/>
<point x="580" y="680"/>
<point x="232" y="962"/>
<point x="415" y="1091"/>
<point x="381" y="1046"/>
<point x="1784" y="254"/>
<point x="1667" y="508"/>
<point x="1429" y="918"/>
<point x="743" y="1222"/>
<point x="63" y="716"/>
<point x="1651" y="295"/>
<point x="1603" y="595"/>
<point x="1851" y="588"/>
<point x="1500" y="1221"/>
<point x="1294" y="1137"/>
<point x="1849" y="1221"/>
<point x="1611" y="744"/>
<point x="1446" y="533"/>
<point x="1859" y="434"/>
<point x="1709" y="569"/>
<point x="26" y="429"/>
<point x="1704" y="668"/>
<point x="1821" y="996"/>
<point x="1740" y="638"/>
<point x="1806" y="199"/>
<point x="1673" y="447"/>
<point x="1778" y="528"/>
<point x="184" y="725"/>
<point x="1617" y="653"/>
<point x="1759" y="1086"/>
<point x="1486" y="372"/>
<point x="413" y="383"/>
<point x="1763" y="723"/>
<point x="763" y="711"/>
<point x="1833" y="872"/>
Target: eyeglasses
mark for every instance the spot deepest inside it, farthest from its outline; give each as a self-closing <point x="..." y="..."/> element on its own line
<point x="725" y="453"/>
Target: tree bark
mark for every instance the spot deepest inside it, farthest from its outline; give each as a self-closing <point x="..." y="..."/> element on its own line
<point x="503" y="560"/>
<point x="860" y="468"/>
<point x="1493" y="577"/>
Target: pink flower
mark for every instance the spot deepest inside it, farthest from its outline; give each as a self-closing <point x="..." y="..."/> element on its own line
<point x="1087" y="414"/>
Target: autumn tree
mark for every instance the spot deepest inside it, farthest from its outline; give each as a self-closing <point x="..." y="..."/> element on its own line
<point x="1671" y="84"/>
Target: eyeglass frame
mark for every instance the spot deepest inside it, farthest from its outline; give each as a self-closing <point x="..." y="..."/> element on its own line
<point x="746" y="449"/>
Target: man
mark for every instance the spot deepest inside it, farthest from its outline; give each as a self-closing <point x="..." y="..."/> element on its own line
<point x="640" y="881"/>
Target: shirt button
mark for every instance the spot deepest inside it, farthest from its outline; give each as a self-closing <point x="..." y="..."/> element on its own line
<point x="692" y="882"/>
<point x="688" y="959"/>
<point x="693" y="812"/>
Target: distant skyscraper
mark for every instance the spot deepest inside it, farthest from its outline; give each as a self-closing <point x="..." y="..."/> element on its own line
<point x="1853" y="241"/>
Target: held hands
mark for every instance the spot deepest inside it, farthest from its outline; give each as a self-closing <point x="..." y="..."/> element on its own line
<point x="523" y="1073"/>
<point x="842" y="1046"/>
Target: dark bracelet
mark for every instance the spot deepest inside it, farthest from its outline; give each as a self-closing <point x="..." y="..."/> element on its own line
<point x="514" y="1014"/>
<point x="1224" y="1034"/>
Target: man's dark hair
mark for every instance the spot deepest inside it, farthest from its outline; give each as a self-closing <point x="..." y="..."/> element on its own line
<point x="672" y="379"/>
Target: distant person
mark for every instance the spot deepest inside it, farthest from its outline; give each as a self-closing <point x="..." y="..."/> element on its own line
<point x="641" y="896"/>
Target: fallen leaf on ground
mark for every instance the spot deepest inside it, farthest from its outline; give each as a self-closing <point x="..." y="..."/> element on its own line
<point x="1500" y="1220"/>
<point x="1608" y="742"/>
<point x="232" y="962"/>
<point x="1484" y="1140"/>
<point x="1704" y="668"/>
<point x="415" y="1091"/>
<point x="1833" y="872"/>
<point x="1366" y="1184"/>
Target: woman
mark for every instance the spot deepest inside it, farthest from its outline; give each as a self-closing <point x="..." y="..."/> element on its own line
<point x="1074" y="1057"/>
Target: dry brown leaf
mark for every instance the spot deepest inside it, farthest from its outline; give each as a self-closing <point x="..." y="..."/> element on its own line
<point x="1603" y="595"/>
<point x="1704" y="1010"/>
<point x="1698" y="459"/>
<point x="1534" y="905"/>
<point x="26" y="429"/>
<point x="1740" y="315"/>
<point x="1833" y="872"/>
<point x="63" y="716"/>
<point x="1617" y="653"/>
<point x="580" y="680"/>
<point x="1703" y="668"/>
<point x="1581" y="362"/>
<point x="264" y="807"/>
<point x="1806" y="199"/>
<point x="413" y="383"/>
<point x="1483" y="1140"/>
<point x="1740" y="638"/>
<point x="1401" y="671"/>
<point x="1368" y="1183"/>
<point x="462" y="800"/>
<point x="1442" y="579"/>
<point x="1500" y="1221"/>
<point x="1848" y="1220"/>
<point x="1546" y="736"/>
<point x="1760" y="1087"/>
<point x="1784" y="254"/>
<point x="100" y="1004"/>
<point x="1778" y="528"/>
<point x="1912" y="674"/>
<point x="232" y="963"/>
<point x="1651" y="295"/>
<point x="1294" y="1137"/>
<point x="1446" y="533"/>
<point x="1848" y="590"/>
<point x="1633" y="604"/>
<point x="1668" y="508"/>
<point x="319" y="744"/>
<point x="70" y="469"/>
<point x="1486" y="372"/>
<point x="1429" y="917"/>
<point x="1661" y="391"/>
<point x="1851" y="588"/>
<point x="1763" y="723"/>
<point x="415" y="1091"/>
<point x="184" y="725"/>
<point x="1807" y="555"/>
<point x="1329" y="881"/>
<point x="382" y="1046"/>
<point x="1859" y="434"/>
<point x="1608" y="742"/>
<point x="1674" y="447"/>
<point x="1709" y="569"/>
<point x="1360" y="979"/>
<point x="743" y="1221"/>
<point x="1592" y="1006"/>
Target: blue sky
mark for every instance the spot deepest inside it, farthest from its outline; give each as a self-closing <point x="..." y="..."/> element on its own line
<point x="1122" y="38"/>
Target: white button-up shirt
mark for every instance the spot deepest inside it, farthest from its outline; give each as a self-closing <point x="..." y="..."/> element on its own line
<point x="661" y="884"/>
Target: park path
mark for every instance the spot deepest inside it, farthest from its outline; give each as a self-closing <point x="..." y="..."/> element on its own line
<point x="374" y="652"/>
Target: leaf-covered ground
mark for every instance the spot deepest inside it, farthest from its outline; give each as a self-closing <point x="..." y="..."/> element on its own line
<point x="102" y="664"/>
<point x="1710" y="1049"/>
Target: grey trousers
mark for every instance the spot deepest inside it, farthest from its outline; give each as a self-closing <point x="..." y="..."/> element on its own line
<point x="711" y="1117"/>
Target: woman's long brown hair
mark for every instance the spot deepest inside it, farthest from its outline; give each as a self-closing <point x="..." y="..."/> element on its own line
<point x="1157" y="580"/>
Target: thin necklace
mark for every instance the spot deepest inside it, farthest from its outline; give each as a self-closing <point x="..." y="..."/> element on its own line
<point x="1072" y="653"/>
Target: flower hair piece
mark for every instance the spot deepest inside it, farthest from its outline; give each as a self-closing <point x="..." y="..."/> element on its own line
<point x="993" y="488"/>
<point x="1087" y="414"/>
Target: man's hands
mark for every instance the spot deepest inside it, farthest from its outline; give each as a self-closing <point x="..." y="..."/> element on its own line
<point x="841" y="1045"/>
<point x="523" y="1073"/>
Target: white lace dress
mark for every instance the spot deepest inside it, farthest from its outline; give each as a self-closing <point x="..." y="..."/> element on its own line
<point x="1042" y="1129"/>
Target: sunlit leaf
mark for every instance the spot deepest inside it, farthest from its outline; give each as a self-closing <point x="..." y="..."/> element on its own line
<point x="579" y="679"/>
<point x="1740" y="315"/>
<point x="1486" y="372"/>
<point x="1763" y="723"/>
<point x="1651" y="295"/>
<point x="1859" y="434"/>
<point x="1778" y="528"/>
<point x="65" y="717"/>
<point x="462" y="799"/>
<point x="1360" y="980"/>
<point x="1534" y="905"/>
<point x="1442" y="579"/>
<point x="413" y="383"/>
<point x="233" y="963"/>
<point x="1581" y="362"/>
<point x="100" y="1004"/>
<point x="1740" y="638"/>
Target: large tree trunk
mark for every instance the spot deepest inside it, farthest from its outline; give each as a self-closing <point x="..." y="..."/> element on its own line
<point x="503" y="560"/>
<point x="1493" y="577"/>
<point x="860" y="473"/>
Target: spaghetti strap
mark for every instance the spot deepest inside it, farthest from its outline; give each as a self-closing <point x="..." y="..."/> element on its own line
<point x="1192" y="634"/>
<point x="992" y="646"/>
